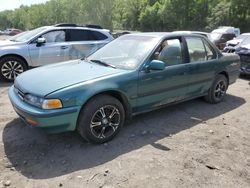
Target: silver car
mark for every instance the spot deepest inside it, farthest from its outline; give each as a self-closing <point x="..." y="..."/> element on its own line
<point x="49" y="44"/>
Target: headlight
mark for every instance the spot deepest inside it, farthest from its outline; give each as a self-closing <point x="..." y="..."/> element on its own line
<point x="33" y="100"/>
<point x="43" y="103"/>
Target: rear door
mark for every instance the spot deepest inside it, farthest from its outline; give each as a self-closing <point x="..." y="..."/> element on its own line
<point x="55" y="49"/>
<point x="201" y="66"/>
<point x="84" y="42"/>
<point x="161" y="87"/>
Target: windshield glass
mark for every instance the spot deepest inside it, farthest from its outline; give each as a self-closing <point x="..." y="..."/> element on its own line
<point x="22" y="37"/>
<point x="215" y="36"/>
<point x="13" y="38"/>
<point x="126" y="52"/>
<point x="246" y="41"/>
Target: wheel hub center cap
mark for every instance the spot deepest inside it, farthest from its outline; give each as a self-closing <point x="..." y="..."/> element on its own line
<point x="105" y="121"/>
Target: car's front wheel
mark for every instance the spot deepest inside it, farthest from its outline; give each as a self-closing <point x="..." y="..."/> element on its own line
<point x="11" y="67"/>
<point x="218" y="90"/>
<point x="101" y="119"/>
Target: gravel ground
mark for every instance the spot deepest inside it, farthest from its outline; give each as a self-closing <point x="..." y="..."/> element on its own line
<point x="192" y="144"/>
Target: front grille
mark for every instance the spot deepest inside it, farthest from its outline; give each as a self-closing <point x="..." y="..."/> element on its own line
<point x="19" y="93"/>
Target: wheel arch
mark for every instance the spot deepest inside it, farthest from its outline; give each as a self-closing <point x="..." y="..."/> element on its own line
<point x="16" y="55"/>
<point x="118" y="95"/>
<point x="224" y="73"/>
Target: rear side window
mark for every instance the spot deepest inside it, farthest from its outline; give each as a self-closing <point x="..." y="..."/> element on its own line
<point x="228" y="36"/>
<point x="199" y="50"/>
<point x="196" y="49"/>
<point x="99" y="36"/>
<point x="209" y="52"/>
<point x="80" y="35"/>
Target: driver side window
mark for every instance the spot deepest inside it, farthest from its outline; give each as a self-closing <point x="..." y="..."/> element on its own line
<point x="169" y="52"/>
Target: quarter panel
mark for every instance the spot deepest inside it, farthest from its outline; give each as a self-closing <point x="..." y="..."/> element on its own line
<point x="20" y="50"/>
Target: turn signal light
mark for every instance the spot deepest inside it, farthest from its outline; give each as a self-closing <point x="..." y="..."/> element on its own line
<point x="51" y="104"/>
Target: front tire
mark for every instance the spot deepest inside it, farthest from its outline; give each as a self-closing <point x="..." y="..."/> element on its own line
<point x="218" y="90"/>
<point x="11" y="67"/>
<point x="101" y="119"/>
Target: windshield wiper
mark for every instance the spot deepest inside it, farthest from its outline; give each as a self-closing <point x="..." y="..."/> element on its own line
<point x="102" y="63"/>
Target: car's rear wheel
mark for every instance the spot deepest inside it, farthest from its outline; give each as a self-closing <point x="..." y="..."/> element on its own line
<point x="11" y="67"/>
<point x="218" y="90"/>
<point x="101" y="119"/>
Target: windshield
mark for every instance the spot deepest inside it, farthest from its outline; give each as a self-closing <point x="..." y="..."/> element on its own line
<point x="13" y="38"/>
<point x="246" y="41"/>
<point x="22" y="37"/>
<point x="126" y="52"/>
<point x="215" y="36"/>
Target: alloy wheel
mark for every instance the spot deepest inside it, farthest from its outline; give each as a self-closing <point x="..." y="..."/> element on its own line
<point x="11" y="69"/>
<point x="220" y="89"/>
<point x="105" y="121"/>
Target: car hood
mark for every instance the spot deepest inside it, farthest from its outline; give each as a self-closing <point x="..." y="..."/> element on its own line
<point x="5" y="43"/>
<point x="47" y="79"/>
<point x="247" y="46"/>
<point x="234" y="41"/>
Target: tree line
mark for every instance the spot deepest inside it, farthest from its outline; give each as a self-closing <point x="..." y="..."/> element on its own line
<point x="140" y="15"/>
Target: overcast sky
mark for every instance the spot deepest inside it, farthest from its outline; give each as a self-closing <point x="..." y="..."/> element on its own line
<point x="12" y="4"/>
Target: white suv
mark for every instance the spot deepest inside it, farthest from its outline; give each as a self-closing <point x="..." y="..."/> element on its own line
<point x="49" y="44"/>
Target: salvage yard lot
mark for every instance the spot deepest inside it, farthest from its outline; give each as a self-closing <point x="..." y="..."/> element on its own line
<point x="193" y="144"/>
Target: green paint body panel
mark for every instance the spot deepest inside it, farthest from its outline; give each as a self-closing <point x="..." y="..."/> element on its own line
<point x="75" y="82"/>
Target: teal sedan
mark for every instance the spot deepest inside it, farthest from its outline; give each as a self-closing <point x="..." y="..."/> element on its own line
<point x="133" y="74"/>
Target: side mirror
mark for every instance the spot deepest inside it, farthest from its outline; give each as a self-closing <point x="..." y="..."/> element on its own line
<point x="156" y="65"/>
<point x="41" y="40"/>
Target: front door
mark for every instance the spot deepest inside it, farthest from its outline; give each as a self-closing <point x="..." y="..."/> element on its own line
<point x="156" y="88"/>
<point x="55" y="49"/>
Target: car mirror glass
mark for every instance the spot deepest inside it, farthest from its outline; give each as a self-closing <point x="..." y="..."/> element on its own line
<point x="41" y="40"/>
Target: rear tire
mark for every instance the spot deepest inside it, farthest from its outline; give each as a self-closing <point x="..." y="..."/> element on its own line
<point x="218" y="90"/>
<point x="101" y="119"/>
<point x="11" y="67"/>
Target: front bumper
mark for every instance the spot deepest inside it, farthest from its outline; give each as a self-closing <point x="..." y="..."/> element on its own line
<point x="53" y="121"/>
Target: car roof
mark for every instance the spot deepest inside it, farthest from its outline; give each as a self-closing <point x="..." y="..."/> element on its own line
<point x="190" y="32"/>
<point x="73" y="27"/>
<point x="164" y="34"/>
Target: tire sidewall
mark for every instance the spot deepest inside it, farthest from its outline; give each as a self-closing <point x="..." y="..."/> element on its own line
<point x="86" y="114"/>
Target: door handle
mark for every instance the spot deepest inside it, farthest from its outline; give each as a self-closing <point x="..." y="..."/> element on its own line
<point x="64" y="47"/>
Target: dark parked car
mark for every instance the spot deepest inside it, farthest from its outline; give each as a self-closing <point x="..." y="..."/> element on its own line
<point x="243" y="50"/>
<point x="133" y="74"/>
<point x="12" y="31"/>
<point x="232" y="44"/>
<point x="220" y="39"/>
